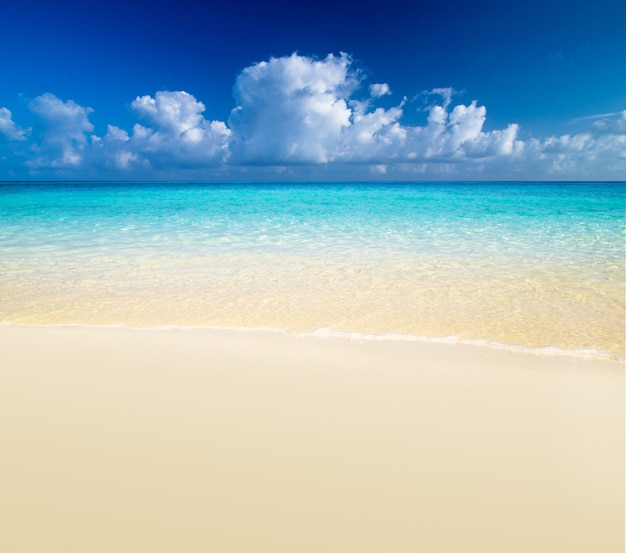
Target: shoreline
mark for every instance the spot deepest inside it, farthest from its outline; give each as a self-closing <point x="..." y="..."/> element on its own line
<point x="327" y="333"/>
<point x="255" y="440"/>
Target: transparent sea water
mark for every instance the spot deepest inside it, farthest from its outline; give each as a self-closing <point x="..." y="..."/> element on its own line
<point x="529" y="264"/>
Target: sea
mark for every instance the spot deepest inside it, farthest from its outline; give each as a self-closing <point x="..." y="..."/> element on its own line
<point x="536" y="265"/>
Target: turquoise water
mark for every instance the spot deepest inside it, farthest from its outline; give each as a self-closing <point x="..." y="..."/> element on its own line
<point x="534" y="264"/>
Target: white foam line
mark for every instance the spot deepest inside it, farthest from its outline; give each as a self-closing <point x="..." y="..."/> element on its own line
<point x="325" y="332"/>
<point x="454" y="339"/>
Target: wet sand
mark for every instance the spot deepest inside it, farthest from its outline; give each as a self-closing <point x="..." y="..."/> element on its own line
<point x="249" y="441"/>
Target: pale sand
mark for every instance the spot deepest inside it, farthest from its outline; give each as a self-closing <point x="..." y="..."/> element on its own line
<point x="116" y="440"/>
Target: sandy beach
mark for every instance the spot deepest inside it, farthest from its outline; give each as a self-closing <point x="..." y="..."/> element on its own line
<point x="248" y="441"/>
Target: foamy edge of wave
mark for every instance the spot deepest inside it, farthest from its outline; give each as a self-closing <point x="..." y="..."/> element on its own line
<point x="328" y="333"/>
<point x="454" y="339"/>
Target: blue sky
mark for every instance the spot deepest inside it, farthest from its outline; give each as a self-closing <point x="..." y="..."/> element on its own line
<point x="348" y="90"/>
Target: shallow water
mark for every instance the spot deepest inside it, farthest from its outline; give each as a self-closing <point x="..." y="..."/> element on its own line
<point x="530" y="264"/>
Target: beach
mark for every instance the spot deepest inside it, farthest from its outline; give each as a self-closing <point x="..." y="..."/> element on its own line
<point x="238" y="441"/>
<point x="370" y="367"/>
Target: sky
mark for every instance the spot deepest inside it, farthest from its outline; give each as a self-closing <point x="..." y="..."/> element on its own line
<point x="325" y="90"/>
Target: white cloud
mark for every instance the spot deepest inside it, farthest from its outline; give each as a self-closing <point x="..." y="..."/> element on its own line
<point x="598" y="153"/>
<point x="116" y="134"/>
<point x="60" y="137"/>
<point x="171" y="112"/>
<point x="496" y="143"/>
<point x="291" y="109"/>
<point x="298" y="115"/>
<point x="373" y="137"/>
<point x="466" y="123"/>
<point x="379" y="89"/>
<point x="595" y="116"/>
<point x="445" y="93"/>
<point x="614" y="123"/>
<point x="299" y="110"/>
<point x="62" y="117"/>
<point x="179" y="136"/>
<point x="450" y="135"/>
<point x="567" y="143"/>
<point x="8" y="128"/>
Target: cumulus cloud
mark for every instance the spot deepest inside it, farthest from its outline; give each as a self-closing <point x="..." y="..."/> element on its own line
<point x="599" y="152"/>
<point x="295" y="114"/>
<point x="60" y="135"/>
<point x="8" y="128"/>
<point x="178" y="134"/>
<point x="299" y="110"/>
<point x="172" y="112"/>
<point x="567" y="143"/>
<point x="291" y="109"/>
<point x="450" y="135"/>
<point x="375" y="137"/>
<point x="458" y="134"/>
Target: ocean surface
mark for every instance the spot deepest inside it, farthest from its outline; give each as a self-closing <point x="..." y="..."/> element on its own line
<point x="537" y="265"/>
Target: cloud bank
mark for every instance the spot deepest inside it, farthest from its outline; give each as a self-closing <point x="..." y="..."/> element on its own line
<point x="301" y="117"/>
